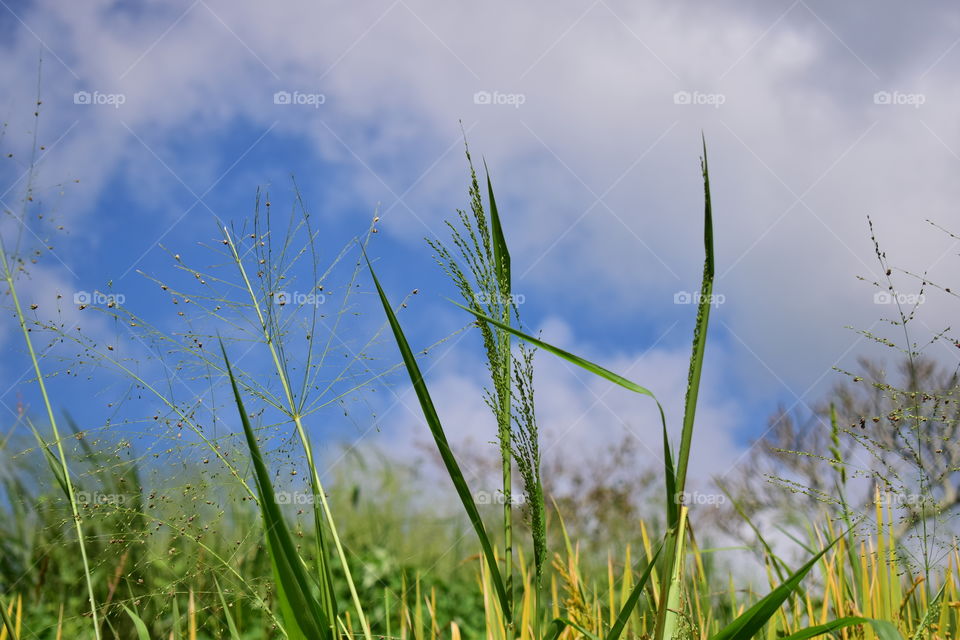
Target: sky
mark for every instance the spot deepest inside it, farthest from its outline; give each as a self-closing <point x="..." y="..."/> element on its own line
<point x="160" y="118"/>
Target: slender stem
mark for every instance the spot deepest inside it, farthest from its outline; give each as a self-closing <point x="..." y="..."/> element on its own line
<point x="675" y="529"/>
<point x="308" y="452"/>
<point x="71" y="495"/>
<point x="507" y="461"/>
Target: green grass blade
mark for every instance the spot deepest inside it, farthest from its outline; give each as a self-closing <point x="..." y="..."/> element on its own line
<point x="7" y="622"/>
<point x="328" y="597"/>
<point x="693" y="390"/>
<point x="138" y="623"/>
<point x="501" y="262"/>
<point x="884" y="630"/>
<point x="501" y="254"/>
<point x="58" y="441"/>
<point x="829" y="627"/>
<point x="752" y="620"/>
<point x="671" y="604"/>
<point x="566" y="355"/>
<point x="301" y="612"/>
<point x="558" y="625"/>
<point x="231" y="625"/>
<point x="699" y="333"/>
<point x="670" y="478"/>
<point x="51" y="459"/>
<point x="930" y="617"/>
<point x="440" y="438"/>
<point x="631" y="603"/>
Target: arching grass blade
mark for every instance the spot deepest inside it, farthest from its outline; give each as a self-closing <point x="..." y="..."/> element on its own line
<point x="440" y="438"/>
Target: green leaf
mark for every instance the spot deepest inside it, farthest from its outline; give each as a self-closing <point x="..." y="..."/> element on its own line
<point x="231" y="625"/>
<point x="142" y="632"/>
<point x="699" y="334"/>
<point x="752" y="620"/>
<point x="883" y="629"/>
<point x="440" y="438"/>
<point x="501" y="254"/>
<point x="665" y="618"/>
<point x="301" y="612"/>
<point x="55" y="465"/>
<point x="8" y="623"/>
<point x="933" y="611"/>
<point x="566" y="355"/>
<point x="557" y="626"/>
<point x="670" y="479"/>
<point x="634" y="597"/>
<point x="829" y="627"/>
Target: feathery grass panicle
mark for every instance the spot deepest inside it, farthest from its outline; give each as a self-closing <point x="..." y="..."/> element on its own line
<point x="484" y="284"/>
<point x="526" y="454"/>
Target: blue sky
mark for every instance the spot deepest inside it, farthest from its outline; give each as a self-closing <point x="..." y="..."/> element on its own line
<point x="172" y="114"/>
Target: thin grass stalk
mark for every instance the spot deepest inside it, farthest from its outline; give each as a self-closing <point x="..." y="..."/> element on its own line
<point x="690" y="408"/>
<point x="501" y="256"/>
<point x="301" y="432"/>
<point x="440" y="439"/>
<point x="484" y="281"/>
<point x="65" y="475"/>
<point x="303" y="615"/>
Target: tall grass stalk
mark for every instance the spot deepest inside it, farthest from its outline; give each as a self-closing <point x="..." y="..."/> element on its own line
<point x="443" y="447"/>
<point x="482" y="274"/>
<point x="667" y="617"/>
<point x="64" y="476"/>
<point x="269" y="336"/>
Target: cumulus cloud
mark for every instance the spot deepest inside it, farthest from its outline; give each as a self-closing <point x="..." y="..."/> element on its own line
<point x="590" y="116"/>
<point x="579" y="415"/>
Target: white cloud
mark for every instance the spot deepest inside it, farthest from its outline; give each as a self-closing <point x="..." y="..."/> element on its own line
<point x="598" y="122"/>
<point x="579" y="415"/>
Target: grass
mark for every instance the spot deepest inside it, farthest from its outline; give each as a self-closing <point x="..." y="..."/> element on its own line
<point x="221" y="550"/>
